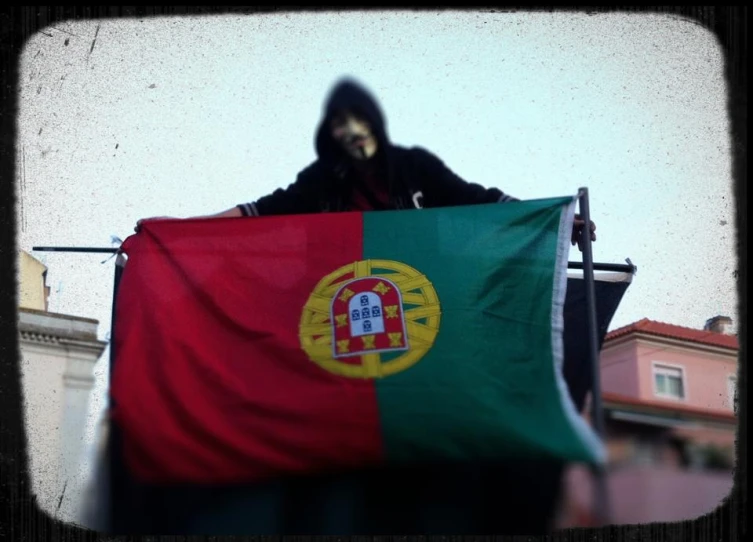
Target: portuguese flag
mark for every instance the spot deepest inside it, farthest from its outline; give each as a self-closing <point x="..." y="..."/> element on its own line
<point x="261" y="347"/>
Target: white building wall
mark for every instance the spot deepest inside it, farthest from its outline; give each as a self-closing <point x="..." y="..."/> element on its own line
<point x="42" y="368"/>
<point x="58" y="354"/>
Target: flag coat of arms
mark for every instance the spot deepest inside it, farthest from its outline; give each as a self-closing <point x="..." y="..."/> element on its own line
<point x="253" y="348"/>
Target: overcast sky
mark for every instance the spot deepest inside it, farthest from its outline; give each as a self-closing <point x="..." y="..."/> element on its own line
<point x="123" y="119"/>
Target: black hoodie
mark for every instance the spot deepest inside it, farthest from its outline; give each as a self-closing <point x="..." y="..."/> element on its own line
<point x="415" y="178"/>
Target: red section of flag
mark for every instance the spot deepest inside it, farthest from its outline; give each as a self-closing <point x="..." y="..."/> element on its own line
<point x="210" y="383"/>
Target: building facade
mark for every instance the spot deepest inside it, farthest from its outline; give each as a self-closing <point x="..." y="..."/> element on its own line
<point x="57" y="357"/>
<point x="670" y="423"/>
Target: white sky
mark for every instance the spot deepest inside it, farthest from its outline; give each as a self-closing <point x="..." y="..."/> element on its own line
<point x="192" y="115"/>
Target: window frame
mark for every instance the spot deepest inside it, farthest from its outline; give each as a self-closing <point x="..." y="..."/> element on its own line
<point x="733" y="389"/>
<point x="671" y="369"/>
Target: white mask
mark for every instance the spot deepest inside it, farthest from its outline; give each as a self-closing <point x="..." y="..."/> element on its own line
<point x="353" y="133"/>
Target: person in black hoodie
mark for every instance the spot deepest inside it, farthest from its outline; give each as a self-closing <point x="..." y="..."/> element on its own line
<point x="359" y="169"/>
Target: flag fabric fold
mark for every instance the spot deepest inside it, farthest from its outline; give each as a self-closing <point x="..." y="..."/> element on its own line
<point x="253" y="348"/>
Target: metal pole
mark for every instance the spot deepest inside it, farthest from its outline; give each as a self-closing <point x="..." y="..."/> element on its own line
<point x="600" y="495"/>
<point x="116" y="483"/>
<point x="616" y="267"/>
<point x="76" y="249"/>
<point x="119" y="264"/>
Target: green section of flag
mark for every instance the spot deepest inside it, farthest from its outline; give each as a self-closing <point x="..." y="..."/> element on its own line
<point x="488" y="386"/>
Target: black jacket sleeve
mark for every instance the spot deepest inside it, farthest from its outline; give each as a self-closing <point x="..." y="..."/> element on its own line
<point x="301" y="197"/>
<point x="441" y="187"/>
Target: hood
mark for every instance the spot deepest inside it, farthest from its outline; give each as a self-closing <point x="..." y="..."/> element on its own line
<point x="349" y="94"/>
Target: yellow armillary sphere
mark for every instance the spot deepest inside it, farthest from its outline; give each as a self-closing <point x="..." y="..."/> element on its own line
<point x="370" y="319"/>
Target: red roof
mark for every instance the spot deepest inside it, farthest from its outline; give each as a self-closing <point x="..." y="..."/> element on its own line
<point x="672" y="331"/>
<point x="673" y="406"/>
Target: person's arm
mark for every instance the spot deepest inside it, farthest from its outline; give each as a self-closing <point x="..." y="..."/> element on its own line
<point x="230" y="213"/>
<point x="447" y="188"/>
<point x="301" y="197"/>
<point x="453" y="190"/>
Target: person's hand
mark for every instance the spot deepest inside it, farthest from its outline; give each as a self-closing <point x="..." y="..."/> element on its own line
<point x="140" y="222"/>
<point x="577" y="236"/>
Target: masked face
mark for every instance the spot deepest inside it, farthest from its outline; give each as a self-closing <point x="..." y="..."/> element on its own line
<point x="353" y="133"/>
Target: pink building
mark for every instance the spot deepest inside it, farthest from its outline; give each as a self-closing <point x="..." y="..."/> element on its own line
<point x="669" y="409"/>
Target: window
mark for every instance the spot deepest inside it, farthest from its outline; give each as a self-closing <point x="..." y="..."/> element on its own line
<point x="669" y="382"/>
<point x="731" y="388"/>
